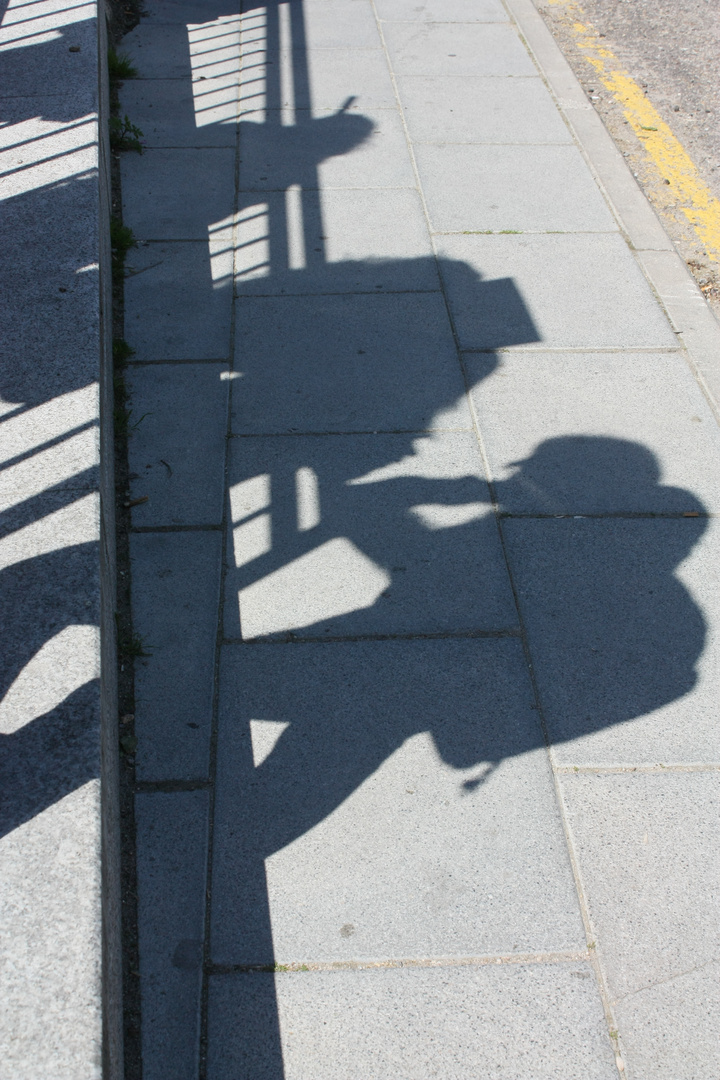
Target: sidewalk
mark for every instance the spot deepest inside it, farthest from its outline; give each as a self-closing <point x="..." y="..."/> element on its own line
<point x="428" y="745"/>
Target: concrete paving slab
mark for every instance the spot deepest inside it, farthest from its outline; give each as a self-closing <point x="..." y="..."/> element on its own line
<point x="49" y="932"/>
<point x="69" y="464"/>
<point x="365" y="534"/>
<point x="177" y="448"/>
<point x="571" y="433"/>
<point x="47" y="525"/>
<point x="333" y="25"/>
<point x="480" y="110"/>
<point x="618" y="630"/>
<point x="668" y="1029"/>
<point x="368" y="151"/>
<point x="178" y="300"/>
<point x="178" y="48"/>
<point x="178" y="194"/>
<point x="581" y="291"/>
<point x="345" y="363"/>
<point x="48" y="319"/>
<point x="175" y="587"/>
<point x="401" y="812"/>
<point x="525" y="1022"/>
<point x="27" y="431"/>
<point x="165" y="111"/>
<point x="371" y="238"/>
<point x="159" y="50"/>
<point x="49" y="608"/>
<point x="337" y="74"/>
<point x="485" y="188"/>
<point x="162" y="12"/>
<point x="441" y="11"/>
<point x="438" y="49"/>
<point x="30" y="64"/>
<point x="649" y="856"/>
<point x="647" y="847"/>
<point x="381" y="161"/>
<point x="171" y="867"/>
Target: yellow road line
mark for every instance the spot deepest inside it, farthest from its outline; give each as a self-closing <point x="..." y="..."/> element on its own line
<point x="666" y="154"/>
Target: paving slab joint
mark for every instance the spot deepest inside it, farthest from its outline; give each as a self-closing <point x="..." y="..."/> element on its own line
<point x="112" y="994"/>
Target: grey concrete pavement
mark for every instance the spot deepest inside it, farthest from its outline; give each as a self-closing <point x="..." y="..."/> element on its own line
<point x="426" y="571"/>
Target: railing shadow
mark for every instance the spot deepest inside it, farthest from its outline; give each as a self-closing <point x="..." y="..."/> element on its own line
<point x="363" y="526"/>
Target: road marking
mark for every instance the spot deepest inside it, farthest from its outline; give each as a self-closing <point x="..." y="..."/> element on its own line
<point x="666" y="154"/>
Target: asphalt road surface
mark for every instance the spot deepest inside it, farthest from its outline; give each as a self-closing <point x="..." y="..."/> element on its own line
<point x="671" y="49"/>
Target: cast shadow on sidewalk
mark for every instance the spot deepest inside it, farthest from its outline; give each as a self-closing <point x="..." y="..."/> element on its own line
<point x="386" y="493"/>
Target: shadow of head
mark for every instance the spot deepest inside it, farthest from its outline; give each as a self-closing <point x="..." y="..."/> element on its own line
<point x="278" y="156"/>
<point x="590" y="473"/>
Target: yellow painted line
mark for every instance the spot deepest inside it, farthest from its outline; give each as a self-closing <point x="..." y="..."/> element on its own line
<point x="665" y="153"/>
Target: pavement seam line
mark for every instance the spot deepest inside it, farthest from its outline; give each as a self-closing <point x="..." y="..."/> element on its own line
<point x="624" y="770"/>
<point x="669" y="979"/>
<point x="298" y="966"/>
<point x="203" y="1037"/>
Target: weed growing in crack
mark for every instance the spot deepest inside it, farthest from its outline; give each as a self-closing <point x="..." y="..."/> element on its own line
<point x="121" y="352"/>
<point x="120" y="66"/>
<point x="121" y="240"/>
<point x="133" y="646"/>
<point x="124" y="135"/>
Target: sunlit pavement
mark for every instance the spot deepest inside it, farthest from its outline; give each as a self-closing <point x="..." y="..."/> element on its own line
<point x="427" y="764"/>
<point x="428" y="735"/>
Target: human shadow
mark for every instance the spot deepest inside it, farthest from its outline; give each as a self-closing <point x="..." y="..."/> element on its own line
<point x="367" y="593"/>
<point x="616" y="589"/>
